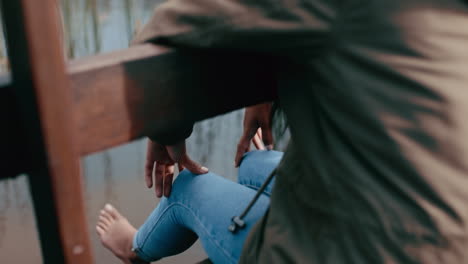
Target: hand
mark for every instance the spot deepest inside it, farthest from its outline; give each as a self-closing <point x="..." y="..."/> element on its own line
<point x="257" y="127"/>
<point x="160" y="161"/>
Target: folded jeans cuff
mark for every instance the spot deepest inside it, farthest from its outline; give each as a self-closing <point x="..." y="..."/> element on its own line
<point x="139" y="252"/>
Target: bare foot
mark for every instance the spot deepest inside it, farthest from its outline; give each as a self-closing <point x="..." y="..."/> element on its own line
<point x="116" y="234"/>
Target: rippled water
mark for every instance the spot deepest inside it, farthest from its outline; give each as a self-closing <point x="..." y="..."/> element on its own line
<point x="116" y="175"/>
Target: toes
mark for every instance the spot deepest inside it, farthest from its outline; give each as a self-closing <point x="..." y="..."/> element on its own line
<point x="106" y="215"/>
<point x="103" y="227"/>
<point x="104" y="220"/>
<point x="100" y="230"/>
<point x="112" y="211"/>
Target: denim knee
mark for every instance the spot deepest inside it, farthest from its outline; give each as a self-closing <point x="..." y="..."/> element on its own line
<point x="182" y="185"/>
<point x="256" y="166"/>
<point x="190" y="186"/>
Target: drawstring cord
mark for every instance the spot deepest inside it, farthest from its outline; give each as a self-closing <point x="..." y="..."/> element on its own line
<point x="237" y="222"/>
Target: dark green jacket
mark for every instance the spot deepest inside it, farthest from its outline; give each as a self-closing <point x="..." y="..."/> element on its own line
<point x="376" y="95"/>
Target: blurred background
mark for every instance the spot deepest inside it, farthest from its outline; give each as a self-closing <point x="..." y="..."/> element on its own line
<point x="115" y="176"/>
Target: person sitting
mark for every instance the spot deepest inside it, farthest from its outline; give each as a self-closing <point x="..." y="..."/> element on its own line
<point x="200" y="206"/>
<point x="375" y="97"/>
<point x="197" y="205"/>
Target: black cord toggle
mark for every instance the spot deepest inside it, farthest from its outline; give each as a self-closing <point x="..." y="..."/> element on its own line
<point x="236" y="221"/>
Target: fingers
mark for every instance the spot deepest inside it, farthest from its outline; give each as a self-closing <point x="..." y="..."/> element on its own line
<point x="267" y="136"/>
<point x="178" y="153"/>
<point x="159" y="177"/>
<point x="259" y="133"/>
<point x="149" y="166"/>
<point x="149" y="169"/>
<point x="168" y="180"/>
<point x="257" y="140"/>
<point x="181" y="167"/>
<point x="244" y="143"/>
<point x="192" y="166"/>
<point x="162" y="166"/>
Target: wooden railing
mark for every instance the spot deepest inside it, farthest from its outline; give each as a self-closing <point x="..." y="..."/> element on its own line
<point x="122" y="95"/>
<point x="56" y="112"/>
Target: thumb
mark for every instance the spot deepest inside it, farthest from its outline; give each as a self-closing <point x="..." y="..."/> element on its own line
<point x="192" y="166"/>
<point x="267" y="136"/>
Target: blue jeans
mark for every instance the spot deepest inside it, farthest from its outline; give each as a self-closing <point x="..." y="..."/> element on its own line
<point x="201" y="206"/>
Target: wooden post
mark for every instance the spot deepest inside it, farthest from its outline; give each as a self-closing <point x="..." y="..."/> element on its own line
<point x="43" y="92"/>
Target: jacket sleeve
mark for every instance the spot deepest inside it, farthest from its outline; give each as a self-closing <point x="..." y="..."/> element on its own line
<point x="271" y="26"/>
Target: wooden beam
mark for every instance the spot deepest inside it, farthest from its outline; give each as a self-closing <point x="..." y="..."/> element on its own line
<point x="149" y="89"/>
<point x="45" y="104"/>
<point x="106" y="107"/>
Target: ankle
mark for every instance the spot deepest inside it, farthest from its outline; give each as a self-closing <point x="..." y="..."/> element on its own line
<point x="130" y="253"/>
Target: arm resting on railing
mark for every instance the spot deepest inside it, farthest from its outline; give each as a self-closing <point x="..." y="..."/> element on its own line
<point x="151" y="90"/>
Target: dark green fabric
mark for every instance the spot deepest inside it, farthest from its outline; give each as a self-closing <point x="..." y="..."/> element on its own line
<point x="376" y="96"/>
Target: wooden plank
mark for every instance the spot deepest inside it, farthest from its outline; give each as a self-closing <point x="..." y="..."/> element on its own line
<point x="149" y="89"/>
<point x="53" y="97"/>
<point x="106" y="114"/>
